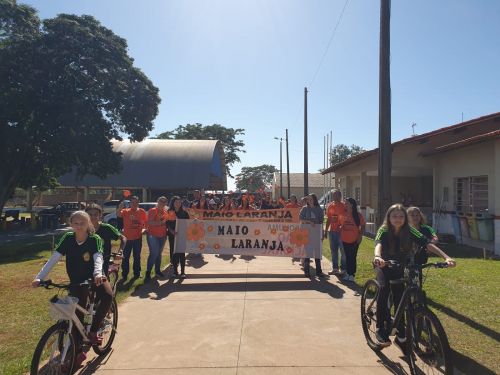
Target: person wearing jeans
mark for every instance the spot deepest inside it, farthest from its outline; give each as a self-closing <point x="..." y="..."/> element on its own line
<point x="332" y="228"/>
<point x="134" y="221"/>
<point x="157" y="234"/>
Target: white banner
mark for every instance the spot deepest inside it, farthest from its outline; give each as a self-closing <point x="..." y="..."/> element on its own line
<point x="248" y="238"/>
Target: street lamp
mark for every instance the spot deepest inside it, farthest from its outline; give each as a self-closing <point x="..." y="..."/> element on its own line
<point x="281" y="165"/>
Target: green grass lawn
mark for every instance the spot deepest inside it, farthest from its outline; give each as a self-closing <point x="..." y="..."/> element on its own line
<point x="466" y="299"/>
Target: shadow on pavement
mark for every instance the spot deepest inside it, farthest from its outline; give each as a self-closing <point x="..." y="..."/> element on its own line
<point x="195" y="260"/>
<point x="93" y="365"/>
<point x="174" y="286"/>
<point x="393" y="367"/>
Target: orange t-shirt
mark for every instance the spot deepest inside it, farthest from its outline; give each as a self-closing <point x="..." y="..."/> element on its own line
<point x="349" y="231"/>
<point x="159" y="230"/>
<point x="133" y="222"/>
<point x="333" y="212"/>
<point x="293" y="205"/>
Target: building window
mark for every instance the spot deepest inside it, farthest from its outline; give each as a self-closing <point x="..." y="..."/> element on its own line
<point x="471" y="193"/>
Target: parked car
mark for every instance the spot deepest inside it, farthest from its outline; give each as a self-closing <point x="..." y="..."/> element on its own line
<point x="62" y="210"/>
<point x="325" y="200"/>
<point x="113" y="220"/>
<point x="110" y="206"/>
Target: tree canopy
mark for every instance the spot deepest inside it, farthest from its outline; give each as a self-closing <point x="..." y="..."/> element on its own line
<point x="227" y="136"/>
<point x="343" y="152"/>
<point x="67" y="87"/>
<point x="255" y="178"/>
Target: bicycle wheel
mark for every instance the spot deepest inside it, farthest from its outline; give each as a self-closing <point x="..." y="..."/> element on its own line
<point x="429" y="348"/>
<point x="369" y="313"/>
<point x="107" y="330"/>
<point x="48" y="356"/>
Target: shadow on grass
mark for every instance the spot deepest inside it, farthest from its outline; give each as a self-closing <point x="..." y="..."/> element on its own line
<point x="466" y="320"/>
<point x="468" y="366"/>
<point x="23" y="251"/>
<point x="462" y="251"/>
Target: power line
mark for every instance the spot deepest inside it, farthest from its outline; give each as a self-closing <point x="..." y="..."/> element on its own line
<point x="329" y="42"/>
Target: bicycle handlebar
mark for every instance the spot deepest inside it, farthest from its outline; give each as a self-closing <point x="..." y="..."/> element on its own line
<point x="48" y="284"/>
<point x="396" y="264"/>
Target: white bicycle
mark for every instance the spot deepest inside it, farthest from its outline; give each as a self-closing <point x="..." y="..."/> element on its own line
<point x="56" y="351"/>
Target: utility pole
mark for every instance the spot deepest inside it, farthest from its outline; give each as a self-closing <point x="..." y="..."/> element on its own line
<point x="384" y="137"/>
<point x="281" y="165"/>
<point x="306" y="169"/>
<point x="287" y="166"/>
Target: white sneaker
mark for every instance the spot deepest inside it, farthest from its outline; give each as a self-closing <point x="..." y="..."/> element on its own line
<point x="346" y="278"/>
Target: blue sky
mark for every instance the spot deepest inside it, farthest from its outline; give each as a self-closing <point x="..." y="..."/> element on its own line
<point x="244" y="64"/>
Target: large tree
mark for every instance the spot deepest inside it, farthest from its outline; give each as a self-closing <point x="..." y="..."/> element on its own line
<point x="67" y="87"/>
<point x="255" y="178"/>
<point x="227" y="136"/>
<point x="343" y="152"/>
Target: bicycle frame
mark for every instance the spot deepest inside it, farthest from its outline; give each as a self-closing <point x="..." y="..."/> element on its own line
<point x="406" y="302"/>
<point x="73" y="320"/>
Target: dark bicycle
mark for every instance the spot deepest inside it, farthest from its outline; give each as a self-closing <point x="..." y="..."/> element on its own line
<point x="57" y="349"/>
<point x="113" y="269"/>
<point x="427" y="345"/>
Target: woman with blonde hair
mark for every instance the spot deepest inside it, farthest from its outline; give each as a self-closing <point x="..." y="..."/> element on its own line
<point x="83" y="251"/>
<point x="417" y="220"/>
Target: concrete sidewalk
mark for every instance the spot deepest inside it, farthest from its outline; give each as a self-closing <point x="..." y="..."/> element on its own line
<point x="244" y="316"/>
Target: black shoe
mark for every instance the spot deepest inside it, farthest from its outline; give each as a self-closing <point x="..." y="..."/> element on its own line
<point x="124" y="278"/>
<point x="147" y="278"/>
<point x="400" y="342"/>
<point x="183" y="275"/>
<point x="174" y="275"/>
<point x="159" y="273"/>
<point x="320" y="274"/>
<point x="382" y="338"/>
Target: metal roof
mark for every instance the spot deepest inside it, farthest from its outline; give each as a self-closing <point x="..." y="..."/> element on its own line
<point x="451" y="134"/>
<point x="163" y="164"/>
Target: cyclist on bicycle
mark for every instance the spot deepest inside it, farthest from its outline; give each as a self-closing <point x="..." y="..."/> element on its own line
<point x="394" y="241"/>
<point x="106" y="231"/>
<point x="83" y="251"/>
<point x="417" y="220"/>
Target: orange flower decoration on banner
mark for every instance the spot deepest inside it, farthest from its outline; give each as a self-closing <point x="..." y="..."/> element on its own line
<point x="285" y="228"/>
<point x="210" y="228"/>
<point x="216" y="247"/>
<point x="201" y="246"/>
<point x="299" y="237"/>
<point x="195" y="232"/>
<point x="273" y="231"/>
<point x="256" y="232"/>
<point x="288" y="250"/>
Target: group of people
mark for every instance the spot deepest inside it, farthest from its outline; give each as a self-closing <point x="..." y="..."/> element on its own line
<point x="87" y="247"/>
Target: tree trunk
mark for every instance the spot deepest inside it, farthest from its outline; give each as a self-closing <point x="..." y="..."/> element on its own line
<point x="7" y="188"/>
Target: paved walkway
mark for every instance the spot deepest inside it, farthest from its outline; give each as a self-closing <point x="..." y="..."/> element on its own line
<point x="243" y="316"/>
